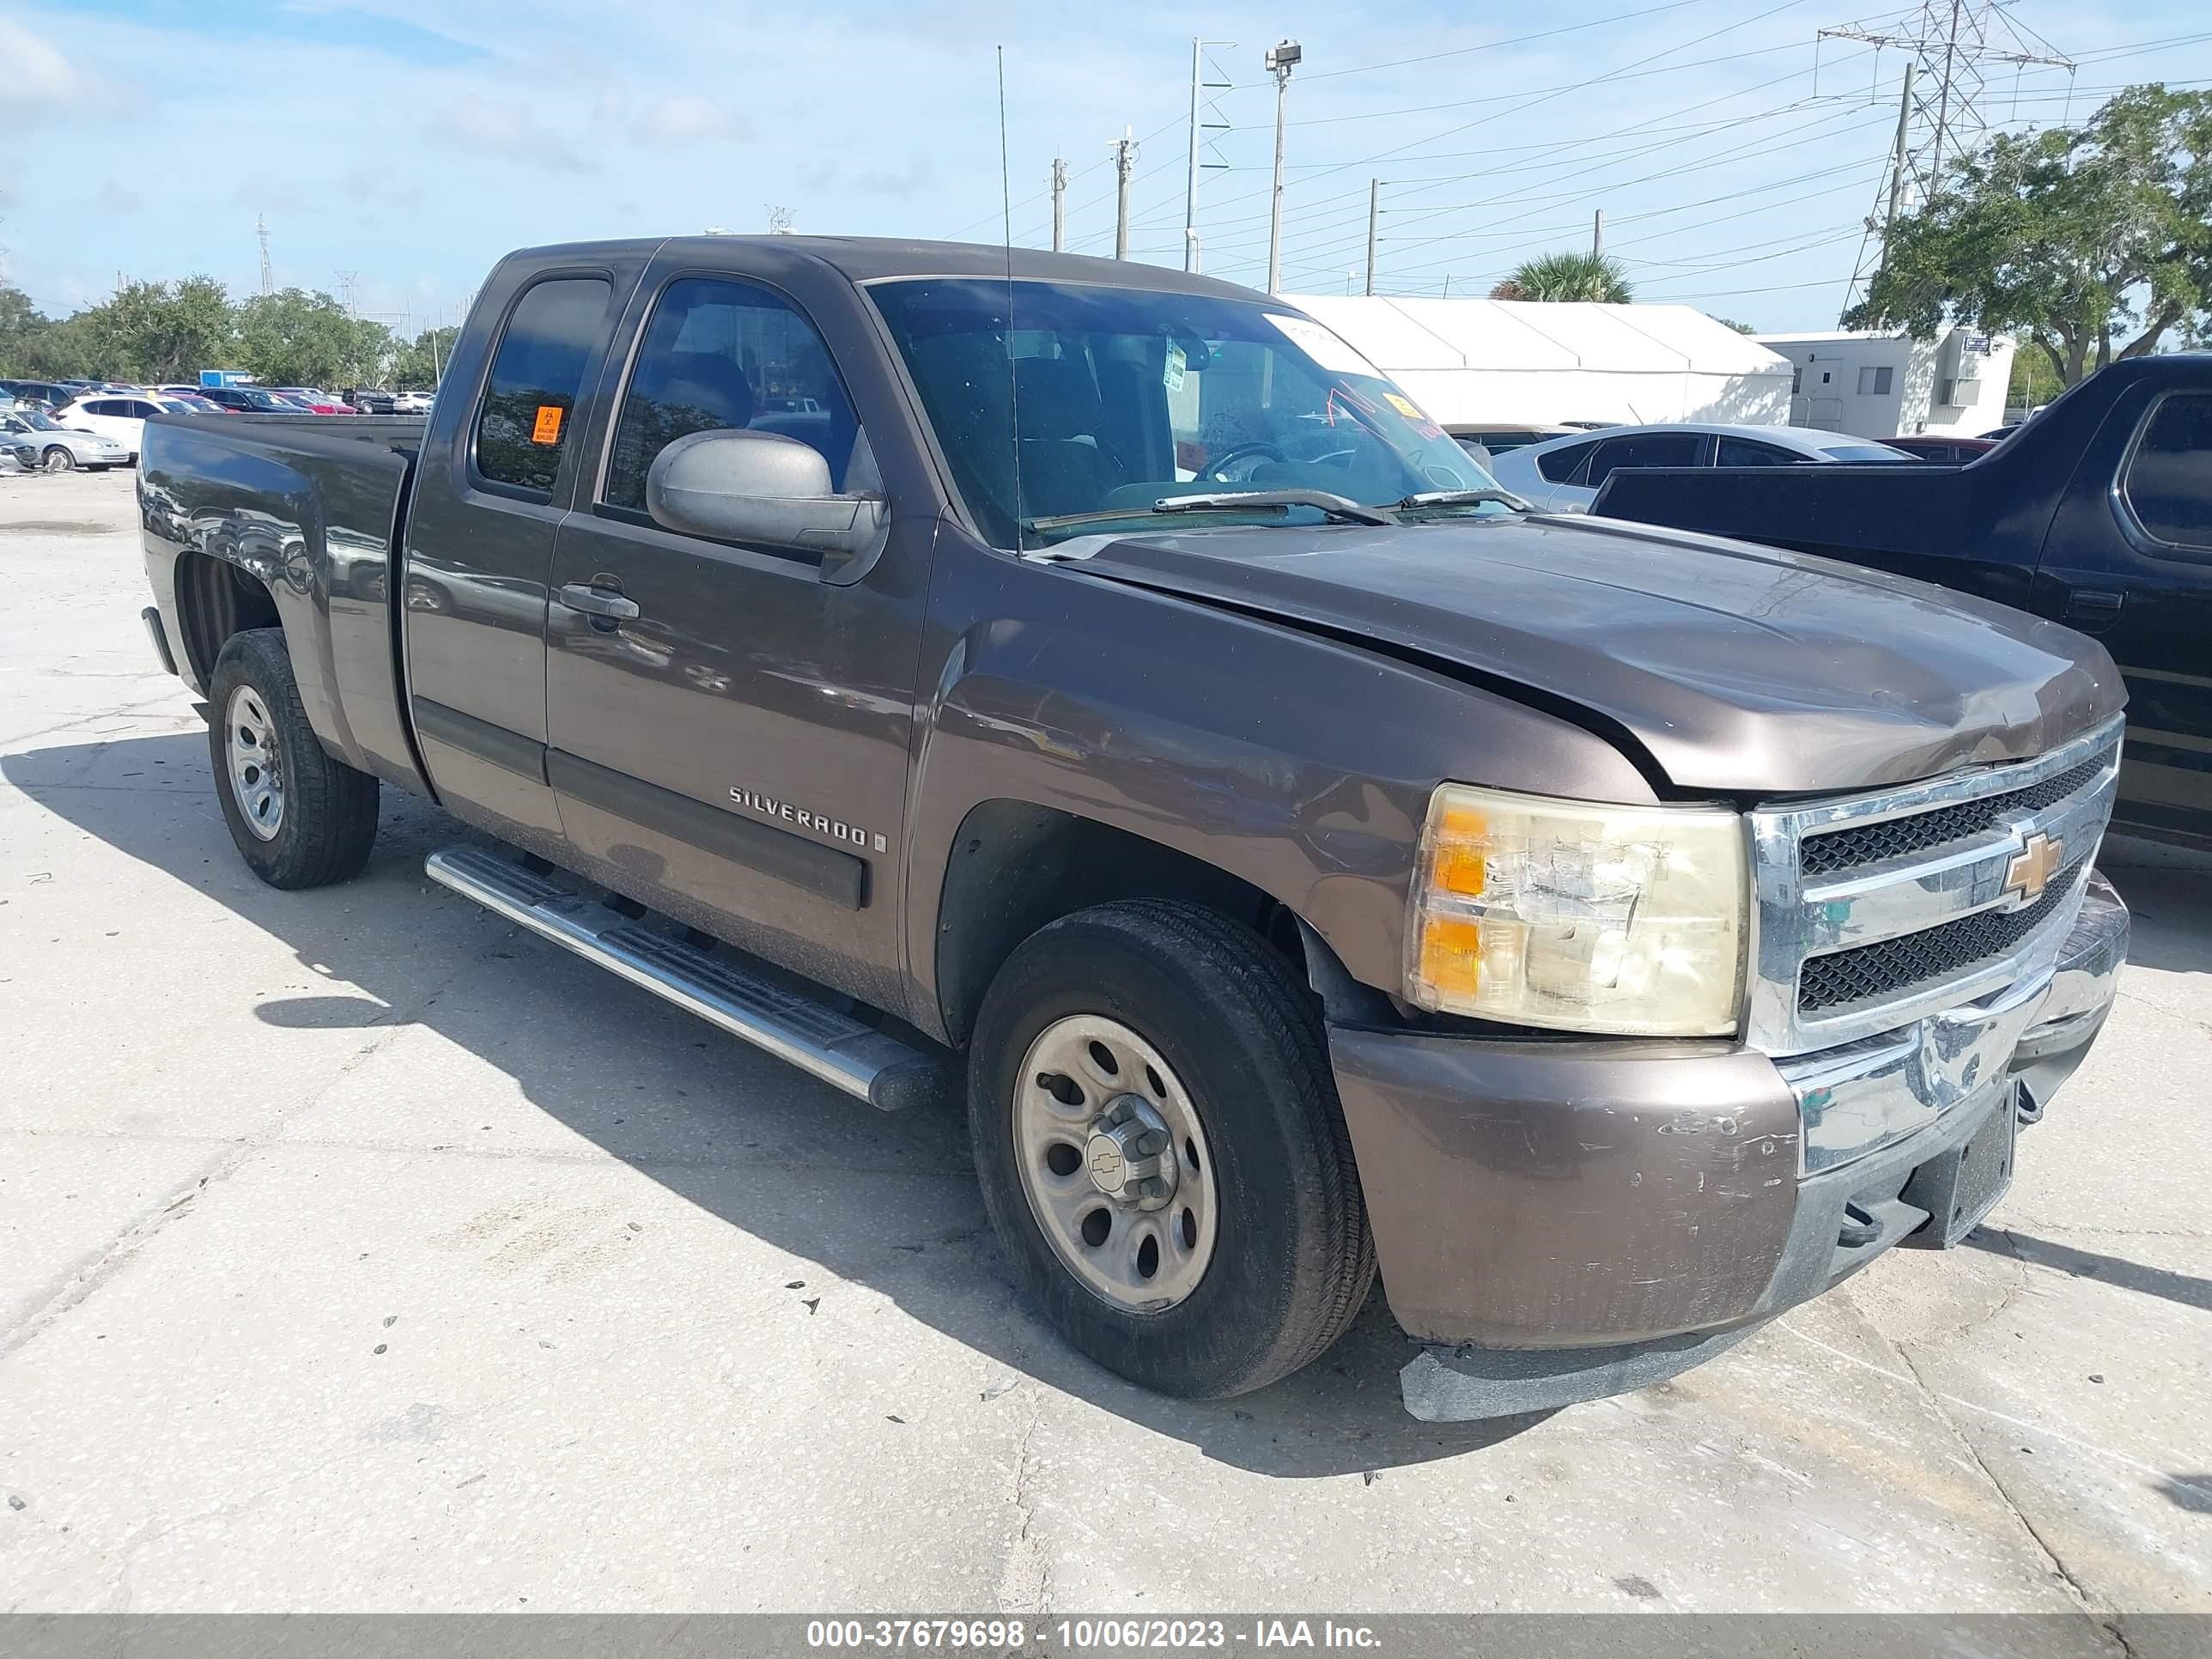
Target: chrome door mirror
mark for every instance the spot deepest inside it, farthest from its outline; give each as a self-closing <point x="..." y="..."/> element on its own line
<point x="742" y="486"/>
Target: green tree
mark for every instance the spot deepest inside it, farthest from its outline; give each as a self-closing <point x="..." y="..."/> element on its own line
<point x="33" y="346"/>
<point x="2093" y="243"/>
<point x="156" y="331"/>
<point x="1568" y="276"/>
<point x="1730" y="322"/>
<point x="294" y="338"/>
<point x="417" y="366"/>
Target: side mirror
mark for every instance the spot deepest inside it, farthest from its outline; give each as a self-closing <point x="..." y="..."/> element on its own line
<point x="741" y="486"/>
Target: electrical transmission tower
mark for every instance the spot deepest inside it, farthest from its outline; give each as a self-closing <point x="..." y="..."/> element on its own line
<point x="1952" y="46"/>
<point x="268" y="275"/>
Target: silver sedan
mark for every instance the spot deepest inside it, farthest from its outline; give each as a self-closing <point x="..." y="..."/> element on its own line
<point x="59" y="447"/>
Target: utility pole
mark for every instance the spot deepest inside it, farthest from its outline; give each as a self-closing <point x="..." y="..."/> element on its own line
<point x="1190" y="187"/>
<point x="1282" y="57"/>
<point x="261" y="230"/>
<point x="1597" y="234"/>
<point x="1125" y="159"/>
<point x="1897" y="164"/>
<point x="1374" y="209"/>
<point x="1949" y="46"/>
<point x="1058" y="205"/>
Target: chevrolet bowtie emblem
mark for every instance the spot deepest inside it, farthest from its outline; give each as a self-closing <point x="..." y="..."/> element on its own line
<point x="2032" y="870"/>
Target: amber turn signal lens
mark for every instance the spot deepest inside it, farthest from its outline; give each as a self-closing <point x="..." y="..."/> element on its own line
<point x="1451" y="954"/>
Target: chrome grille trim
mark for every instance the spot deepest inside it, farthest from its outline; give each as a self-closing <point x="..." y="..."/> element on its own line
<point x="1799" y="916"/>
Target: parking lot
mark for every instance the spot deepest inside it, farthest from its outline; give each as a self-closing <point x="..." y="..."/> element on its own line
<point x="359" y="1252"/>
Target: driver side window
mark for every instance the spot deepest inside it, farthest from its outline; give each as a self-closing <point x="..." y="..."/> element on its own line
<point x="722" y="355"/>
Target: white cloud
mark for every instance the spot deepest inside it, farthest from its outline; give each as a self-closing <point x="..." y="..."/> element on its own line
<point x="500" y="128"/>
<point x="681" y="119"/>
<point x="38" y="80"/>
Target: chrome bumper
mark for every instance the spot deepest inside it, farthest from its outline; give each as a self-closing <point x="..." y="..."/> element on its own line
<point x="1863" y="1096"/>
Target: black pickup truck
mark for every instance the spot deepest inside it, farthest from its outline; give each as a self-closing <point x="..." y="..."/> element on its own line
<point x="1098" y="691"/>
<point x="2098" y="511"/>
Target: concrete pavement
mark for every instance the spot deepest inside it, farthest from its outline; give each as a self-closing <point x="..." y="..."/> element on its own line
<point x="359" y="1252"/>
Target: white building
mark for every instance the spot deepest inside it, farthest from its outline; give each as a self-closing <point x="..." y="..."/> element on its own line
<point x="1504" y="362"/>
<point x="1889" y="386"/>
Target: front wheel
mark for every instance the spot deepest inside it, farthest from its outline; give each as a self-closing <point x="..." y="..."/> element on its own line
<point x="57" y="459"/>
<point x="299" y="817"/>
<point x="1162" y="1151"/>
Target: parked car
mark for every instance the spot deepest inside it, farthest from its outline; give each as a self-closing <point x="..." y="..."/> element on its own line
<point x="2098" y="512"/>
<point x="411" y="402"/>
<point x="42" y="394"/>
<point x="373" y="400"/>
<point x="58" y="449"/>
<point x="315" y="401"/>
<point x="1237" y="810"/>
<point x="19" y="457"/>
<point x="1950" y="452"/>
<point x="249" y="400"/>
<point x="1486" y="442"/>
<point x="117" y="415"/>
<point x="1565" y="474"/>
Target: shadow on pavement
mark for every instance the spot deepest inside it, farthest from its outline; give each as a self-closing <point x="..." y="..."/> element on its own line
<point x="1341" y="1415"/>
<point x="2168" y="890"/>
<point x="2185" y="1288"/>
<point x="2192" y="1492"/>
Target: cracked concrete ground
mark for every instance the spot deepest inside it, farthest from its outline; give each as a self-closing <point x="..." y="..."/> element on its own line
<point x="358" y="1254"/>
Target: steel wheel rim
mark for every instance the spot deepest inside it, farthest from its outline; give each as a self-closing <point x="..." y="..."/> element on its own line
<point x="257" y="771"/>
<point x="1065" y="1103"/>
<point x="59" y="459"/>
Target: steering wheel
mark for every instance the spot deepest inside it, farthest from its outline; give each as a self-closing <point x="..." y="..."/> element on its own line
<point x="1217" y="470"/>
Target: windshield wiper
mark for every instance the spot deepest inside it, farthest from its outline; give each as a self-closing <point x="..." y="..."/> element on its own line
<point x="1340" y="507"/>
<point x="1463" y="498"/>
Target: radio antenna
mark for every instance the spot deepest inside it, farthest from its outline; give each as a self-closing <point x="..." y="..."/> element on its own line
<point x="1006" y="234"/>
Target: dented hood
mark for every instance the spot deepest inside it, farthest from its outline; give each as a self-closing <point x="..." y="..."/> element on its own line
<point x="1737" y="668"/>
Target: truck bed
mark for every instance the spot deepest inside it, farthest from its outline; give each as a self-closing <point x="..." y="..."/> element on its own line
<point x="312" y="505"/>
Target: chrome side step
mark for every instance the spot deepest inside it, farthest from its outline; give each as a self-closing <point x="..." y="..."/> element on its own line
<point x="842" y="1051"/>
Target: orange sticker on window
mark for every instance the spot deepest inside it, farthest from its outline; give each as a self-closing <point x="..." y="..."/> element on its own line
<point x="548" y="427"/>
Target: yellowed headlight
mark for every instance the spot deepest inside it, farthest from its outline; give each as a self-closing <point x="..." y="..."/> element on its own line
<point x="1578" y="915"/>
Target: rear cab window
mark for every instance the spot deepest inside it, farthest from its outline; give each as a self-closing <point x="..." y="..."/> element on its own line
<point x="530" y="401"/>
<point x="2168" y="485"/>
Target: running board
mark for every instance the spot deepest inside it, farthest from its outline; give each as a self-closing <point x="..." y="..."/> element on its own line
<point x="842" y="1051"/>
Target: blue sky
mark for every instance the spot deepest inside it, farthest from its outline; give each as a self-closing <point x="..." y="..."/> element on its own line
<point x="412" y="142"/>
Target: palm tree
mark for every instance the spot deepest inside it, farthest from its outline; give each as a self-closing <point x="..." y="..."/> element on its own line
<point x="1584" y="276"/>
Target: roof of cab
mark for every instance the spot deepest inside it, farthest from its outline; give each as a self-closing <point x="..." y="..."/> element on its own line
<point x="868" y="258"/>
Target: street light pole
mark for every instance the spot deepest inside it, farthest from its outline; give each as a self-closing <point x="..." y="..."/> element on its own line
<point x="1280" y="60"/>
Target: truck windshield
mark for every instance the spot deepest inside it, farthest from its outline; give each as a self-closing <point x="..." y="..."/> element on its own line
<point x="1100" y="400"/>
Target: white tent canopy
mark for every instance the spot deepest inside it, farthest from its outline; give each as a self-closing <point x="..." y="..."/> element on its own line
<point x="1506" y="360"/>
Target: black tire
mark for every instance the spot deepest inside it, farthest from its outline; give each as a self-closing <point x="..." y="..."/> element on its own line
<point x="328" y="819"/>
<point x="57" y="459"/>
<point x="1293" y="1260"/>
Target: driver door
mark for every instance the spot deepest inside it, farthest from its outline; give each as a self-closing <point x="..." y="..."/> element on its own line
<point x="728" y="728"/>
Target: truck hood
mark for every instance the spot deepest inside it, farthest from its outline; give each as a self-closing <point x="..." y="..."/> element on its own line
<point x="1737" y="668"/>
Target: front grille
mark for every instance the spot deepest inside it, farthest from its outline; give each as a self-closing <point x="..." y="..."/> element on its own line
<point x="1850" y="848"/>
<point x="1898" y="965"/>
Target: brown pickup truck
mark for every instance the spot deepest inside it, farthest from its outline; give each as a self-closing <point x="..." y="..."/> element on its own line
<point x="1100" y="691"/>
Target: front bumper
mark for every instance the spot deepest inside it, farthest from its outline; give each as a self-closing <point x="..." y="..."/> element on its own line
<point x="1561" y="1220"/>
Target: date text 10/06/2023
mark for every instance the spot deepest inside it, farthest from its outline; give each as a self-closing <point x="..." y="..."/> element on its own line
<point x="1084" y="1635"/>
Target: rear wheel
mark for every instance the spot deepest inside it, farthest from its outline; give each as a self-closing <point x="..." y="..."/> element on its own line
<point x="299" y="817"/>
<point x="57" y="459"/>
<point x="1161" y="1149"/>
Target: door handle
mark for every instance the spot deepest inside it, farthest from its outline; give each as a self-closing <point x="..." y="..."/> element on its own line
<point x="597" y="602"/>
<point x="2093" y="607"/>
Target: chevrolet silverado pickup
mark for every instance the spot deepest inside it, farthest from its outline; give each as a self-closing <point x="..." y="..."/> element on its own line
<point x="2097" y="513"/>
<point x="1099" y="691"/>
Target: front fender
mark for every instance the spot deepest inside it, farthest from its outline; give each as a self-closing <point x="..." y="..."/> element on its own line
<point x="1298" y="764"/>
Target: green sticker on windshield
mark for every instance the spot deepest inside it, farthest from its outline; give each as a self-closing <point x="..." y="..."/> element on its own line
<point x="1173" y="377"/>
